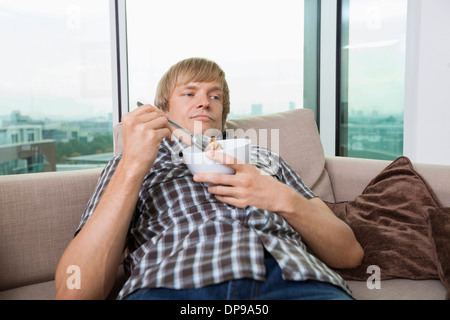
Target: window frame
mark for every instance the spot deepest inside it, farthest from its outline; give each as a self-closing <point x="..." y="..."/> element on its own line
<point x="311" y="58"/>
<point x="119" y="59"/>
<point x="329" y="85"/>
<point x="342" y="25"/>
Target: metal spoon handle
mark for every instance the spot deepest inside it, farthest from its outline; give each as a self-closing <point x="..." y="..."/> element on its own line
<point x="181" y="128"/>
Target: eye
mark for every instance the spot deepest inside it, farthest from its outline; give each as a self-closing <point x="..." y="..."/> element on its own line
<point x="215" y="98"/>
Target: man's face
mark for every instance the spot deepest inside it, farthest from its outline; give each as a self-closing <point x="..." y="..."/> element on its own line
<point x="197" y="106"/>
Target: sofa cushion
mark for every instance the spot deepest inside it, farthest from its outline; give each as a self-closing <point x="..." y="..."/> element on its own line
<point x="389" y="220"/>
<point x="39" y="291"/>
<point x="292" y="134"/>
<point x="439" y="233"/>
<point x="47" y="290"/>
<point x="399" y="289"/>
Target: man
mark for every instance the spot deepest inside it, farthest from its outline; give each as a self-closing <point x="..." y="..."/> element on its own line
<point x="243" y="237"/>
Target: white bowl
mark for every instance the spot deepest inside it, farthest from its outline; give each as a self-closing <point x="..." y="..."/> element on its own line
<point x="198" y="162"/>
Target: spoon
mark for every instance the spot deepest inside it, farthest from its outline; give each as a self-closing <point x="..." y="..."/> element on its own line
<point x="199" y="140"/>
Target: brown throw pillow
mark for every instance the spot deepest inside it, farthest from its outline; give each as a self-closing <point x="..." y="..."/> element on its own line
<point x="439" y="232"/>
<point x="390" y="222"/>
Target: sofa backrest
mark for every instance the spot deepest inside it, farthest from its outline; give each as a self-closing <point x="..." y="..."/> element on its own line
<point x="293" y="134"/>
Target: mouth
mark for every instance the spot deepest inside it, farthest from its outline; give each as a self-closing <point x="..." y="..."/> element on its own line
<point x="202" y="117"/>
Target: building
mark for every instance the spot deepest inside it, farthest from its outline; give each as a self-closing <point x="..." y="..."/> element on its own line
<point x="22" y="150"/>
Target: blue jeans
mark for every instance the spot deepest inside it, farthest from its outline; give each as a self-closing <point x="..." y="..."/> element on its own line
<point x="274" y="288"/>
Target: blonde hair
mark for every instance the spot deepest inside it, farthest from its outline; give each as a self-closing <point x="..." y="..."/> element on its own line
<point x="192" y="70"/>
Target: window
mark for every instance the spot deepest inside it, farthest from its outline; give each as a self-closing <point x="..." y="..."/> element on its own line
<point x="258" y="43"/>
<point x="55" y="85"/>
<point x="57" y="95"/>
<point x="372" y="78"/>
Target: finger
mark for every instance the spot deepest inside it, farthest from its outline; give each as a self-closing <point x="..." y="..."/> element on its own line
<point x="150" y="120"/>
<point x="215" y="178"/>
<point x="223" y="190"/>
<point x="148" y="108"/>
<point x="149" y="117"/>
<point x="155" y="122"/>
<point x="163" y="133"/>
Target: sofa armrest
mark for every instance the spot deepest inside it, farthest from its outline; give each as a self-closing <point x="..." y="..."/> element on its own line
<point x="350" y="176"/>
<point x="39" y="214"/>
<point x="438" y="178"/>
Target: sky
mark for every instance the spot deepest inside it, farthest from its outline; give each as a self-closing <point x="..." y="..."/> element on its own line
<point x="259" y="44"/>
<point x="377" y="43"/>
<point x="55" y="57"/>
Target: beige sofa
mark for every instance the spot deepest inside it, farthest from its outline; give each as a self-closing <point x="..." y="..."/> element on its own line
<point x="40" y="212"/>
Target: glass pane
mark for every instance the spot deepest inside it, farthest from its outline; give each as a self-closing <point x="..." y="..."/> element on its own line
<point x="55" y="85"/>
<point x="373" y="78"/>
<point x="258" y="43"/>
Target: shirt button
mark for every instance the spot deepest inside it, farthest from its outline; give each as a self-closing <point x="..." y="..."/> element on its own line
<point x="169" y="176"/>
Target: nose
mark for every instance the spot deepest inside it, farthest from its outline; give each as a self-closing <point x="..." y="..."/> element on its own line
<point x="203" y="102"/>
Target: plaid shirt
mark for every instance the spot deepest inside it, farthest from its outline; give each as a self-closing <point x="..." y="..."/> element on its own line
<point x="182" y="237"/>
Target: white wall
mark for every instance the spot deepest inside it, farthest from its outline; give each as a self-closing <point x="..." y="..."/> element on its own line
<point x="427" y="103"/>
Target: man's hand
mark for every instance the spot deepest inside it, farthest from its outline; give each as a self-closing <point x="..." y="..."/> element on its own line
<point x="143" y="130"/>
<point x="248" y="187"/>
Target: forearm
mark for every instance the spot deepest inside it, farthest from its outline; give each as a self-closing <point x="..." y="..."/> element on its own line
<point x="331" y="239"/>
<point x="98" y="247"/>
